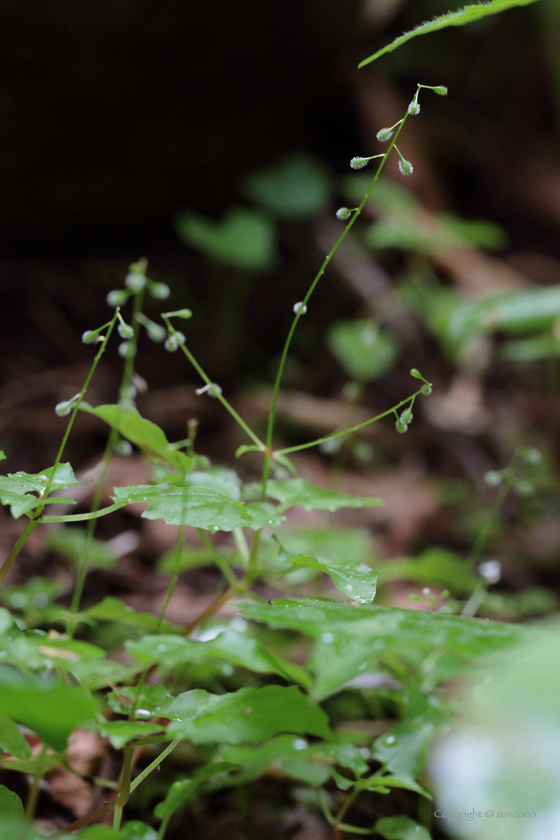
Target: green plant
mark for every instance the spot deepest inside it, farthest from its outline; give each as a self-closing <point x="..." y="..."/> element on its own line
<point x="52" y="682"/>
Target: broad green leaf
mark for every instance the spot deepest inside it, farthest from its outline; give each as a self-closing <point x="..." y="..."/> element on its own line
<point x="11" y="739"/>
<point x="137" y="830"/>
<point x="296" y="491"/>
<point x="218" y="478"/>
<point x="362" y="348"/>
<point x="35" y="650"/>
<point x="182" y="791"/>
<point x="233" y="647"/>
<point x="250" y="715"/>
<point x="50" y="708"/>
<point x="505" y="749"/>
<point x="244" y="239"/>
<point x="143" y="433"/>
<point x="404" y="750"/>
<point x="388" y="196"/>
<point x="460" y="17"/>
<point x="34" y="595"/>
<point x="16" y="487"/>
<point x="113" y="609"/>
<point x="357" y="581"/>
<point x="401" y="828"/>
<point x="12" y="824"/>
<point x="400" y="782"/>
<point x="351" y="640"/>
<point x="148" y="700"/>
<point x="71" y="543"/>
<point x="189" y="558"/>
<point x="293" y="756"/>
<point x="295" y="188"/>
<point x="101" y="673"/>
<point x="434" y="566"/>
<point x="120" y="732"/>
<point x="198" y="506"/>
<point x="99" y="832"/>
<point x="511" y="312"/>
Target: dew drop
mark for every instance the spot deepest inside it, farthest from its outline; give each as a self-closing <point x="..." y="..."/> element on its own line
<point x="327" y="638"/>
<point x="300" y="744"/>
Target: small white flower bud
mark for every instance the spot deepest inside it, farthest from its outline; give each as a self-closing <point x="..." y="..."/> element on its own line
<point x="427" y="389"/>
<point x="493" y="478"/>
<point x="160" y="291"/>
<point x="401" y="426"/>
<point x="212" y="388"/>
<point x="490" y="570"/>
<point x="155" y="331"/>
<point x="532" y="456"/>
<point x="126" y="349"/>
<point x="406" y="416"/>
<point x="384" y="134"/>
<point x="343" y="213"/>
<point x="171" y="344"/>
<point x="414" y="108"/>
<point x="135" y="282"/>
<point x="406" y="167"/>
<point x="125" y="330"/>
<point x="89" y="336"/>
<point x="123" y="447"/>
<point x="358" y="162"/>
<point x="117" y="297"/>
<point x="300" y="308"/>
<point x="441" y="90"/>
<point x="180" y="337"/>
<point x="62" y="409"/>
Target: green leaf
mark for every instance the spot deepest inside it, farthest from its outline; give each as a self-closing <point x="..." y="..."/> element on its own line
<point x="401" y="828"/>
<point x="436" y="566"/>
<point x="113" y="609"/>
<point x="71" y="543"/>
<point x="137" y="830"/>
<point x="362" y="348"/>
<point x="296" y="491"/>
<point x="250" y="715"/>
<point x="120" y="732"/>
<point x="149" y="700"/>
<point x="34" y="650"/>
<point x="183" y="791"/>
<point x="466" y="14"/>
<point x="228" y="645"/>
<point x="219" y="479"/>
<point x="357" y="581"/>
<point x="404" y="750"/>
<point x="2" y="455"/>
<point x="99" y="832"/>
<point x="50" y="708"/>
<point x="244" y="239"/>
<point x="11" y="739"/>
<point x="295" y="188"/>
<point x="143" y="433"/>
<point x="198" y="506"/>
<point x="14" y="488"/>
<point x="531" y="349"/>
<point x="351" y="640"/>
<point x="13" y="816"/>
<point x="189" y="558"/>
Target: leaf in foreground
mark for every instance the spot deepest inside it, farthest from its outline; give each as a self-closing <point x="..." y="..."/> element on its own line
<point x="296" y="491"/>
<point x="250" y="715"/>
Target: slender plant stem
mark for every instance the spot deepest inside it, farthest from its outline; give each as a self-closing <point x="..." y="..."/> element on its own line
<point x="218" y="559"/>
<point x="248" y="431"/>
<point x="37" y="516"/>
<point x="155" y="763"/>
<point x="301" y="308"/>
<point x="174" y="576"/>
<point x="106" y="808"/>
<point x="212" y="608"/>
<point x="83" y="517"/>
<point x="124" y="792"/>
<point x="350" y="430"/>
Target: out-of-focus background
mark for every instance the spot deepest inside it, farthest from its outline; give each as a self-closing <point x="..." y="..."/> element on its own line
<point x="139" y="128"/>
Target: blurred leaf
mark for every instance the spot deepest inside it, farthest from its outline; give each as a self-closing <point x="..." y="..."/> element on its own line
<point x="506" y="749"/>
<point x="143" y="433"/>
<point x="404" y="750"/>
<point x="137" y="830"/>
<point x="531" y="349"/>
<point x="71" y="543"/>
<point x="35" y="594"/>
<point x="148" y="700"/>
<point x="50" y="708"/>
<point x="363" y="349"/>
<point x="295" y="188"/>
<point x="511" y="312"/>
<point x="197" y="506"/>
<point x="292" y="756"/>
<point x="189" y="558"/>
<point x="236" y="648"/>
<point x="387" y="197"/>
<point x="460" y="17"/>
<point x="113" y="609"/>
<point x="11" y="739"/>
<point x="300" y="493"/>
<point x="478" y="232"/>
<point x="357" y="581"/>
<point x="182" y="791"/>
<point x="244" y="239"/>
<point x="120" y="732"/>
<point x="400" y="828"/>
<point x="436" y="566"/>
<point x="99" y="832"/>
<point x="249" y="715"/>
<point x="12" y="824"/>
